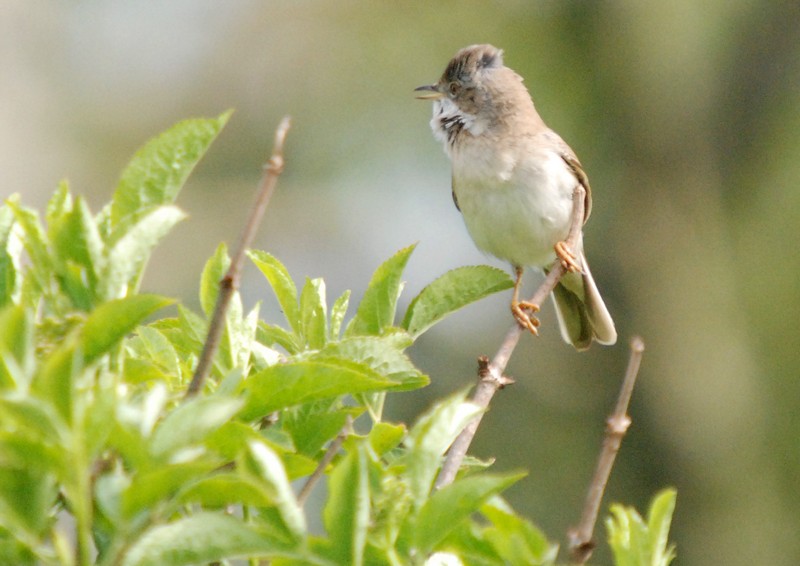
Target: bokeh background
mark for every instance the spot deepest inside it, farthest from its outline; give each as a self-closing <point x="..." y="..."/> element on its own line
<point x="685" y="114"/>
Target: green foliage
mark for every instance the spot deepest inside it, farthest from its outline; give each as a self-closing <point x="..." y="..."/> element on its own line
<point x="94" y="424"/>
<point x="157" y="172"/>
<point x="450" y="292"/>
<point x="638" y="542"/>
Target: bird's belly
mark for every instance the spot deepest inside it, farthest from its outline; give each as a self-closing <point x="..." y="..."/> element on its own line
<point x="520" y="219"/>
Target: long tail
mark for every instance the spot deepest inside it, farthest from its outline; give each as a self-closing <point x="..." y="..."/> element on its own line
<point x="582" y="315"/>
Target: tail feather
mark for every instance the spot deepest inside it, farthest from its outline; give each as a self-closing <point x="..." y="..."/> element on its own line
<point x="582" y="315"/>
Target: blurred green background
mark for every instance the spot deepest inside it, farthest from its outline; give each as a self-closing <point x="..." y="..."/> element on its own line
<point x="685" y="114"/>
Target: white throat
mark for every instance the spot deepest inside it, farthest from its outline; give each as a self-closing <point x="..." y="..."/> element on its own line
<point x="449" y="120"/>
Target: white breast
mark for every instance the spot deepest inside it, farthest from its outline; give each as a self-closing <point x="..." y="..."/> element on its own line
<point x="516" y="203"/>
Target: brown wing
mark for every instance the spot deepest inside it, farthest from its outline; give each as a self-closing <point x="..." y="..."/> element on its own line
<point x="569" y="157"/>
<point x="575" y="165"/>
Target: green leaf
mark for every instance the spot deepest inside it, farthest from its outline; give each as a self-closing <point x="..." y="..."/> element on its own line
<point x="659" y="518"/>
<point x="238" y="336"/>
<point x="25" y="449"/>
<point x="137" y="370"/>
<point x="313" y="424"/>
<point x="55" y="381"/>
<point x="627" y="537"/>
<point x="452" y="291"/>
<point x="127" y="257"/>
<point x="263" y="356"/>
<point x="282" y="285"/>
<point x="28" y="494"/>
<point x="76" y="284"/>
<point x="35" y="243"/>
<point x="202" y="538"/>
<point x="32" y="418"/>
<point x="294" y="383"/>
<point x="108" y="490"/>
<point x="386" y="436"/>
<point x="297" y="465"/>
<point x="430" y="437"/>
<point x="132" y="426"/>
<point x="467" y="542"/>
<point x="634" y="541"/>
<point x="229" y="342"/>
<point x="158" y="170"/>
<point x="231" y="439"/>
<point x="271" y="471"/>
<point x="514" y="538"/>
<point x="338" y="312"/>
<point x="230" y="384"/>
<point x="9" y="257"/>
<point x="83" y="242"/>
<point x="80" y="252"/>
<point x="59" y="205"/>
<point x="384" y="354"/>
<point x="191" y="423"/>
<point x="271" y="335"/>
<point x="15" y="552"/>
<point x="313" y="315"/>
<point x="347" y="513"/>
<point x="35" y="240"/>
<point x="376" y="311"/>
<point x="221" y="490"/>
<point x="213" y="272"/>
<point x="454" y="503"/>
<point x="101" y="405"/>
<point x="151" y="489"/>
<point x="160" y="350"/>
<point x="112" y="321"/>
<point x="16" y="347"/>
<point x="8" y="278"/>
<point x="191" y="333"/>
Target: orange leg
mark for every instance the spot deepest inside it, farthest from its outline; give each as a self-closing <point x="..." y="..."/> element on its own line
<point x="568" y="258"/>
<point x="519" y="308"/>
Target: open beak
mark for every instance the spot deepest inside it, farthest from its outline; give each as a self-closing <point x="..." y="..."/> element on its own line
<point x="428" y="92"/>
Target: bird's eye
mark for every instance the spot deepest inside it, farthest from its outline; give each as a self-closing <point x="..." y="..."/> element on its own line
<point x="453" y="88"/>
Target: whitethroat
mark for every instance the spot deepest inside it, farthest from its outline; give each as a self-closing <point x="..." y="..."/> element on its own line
<point x="513" y="181"/>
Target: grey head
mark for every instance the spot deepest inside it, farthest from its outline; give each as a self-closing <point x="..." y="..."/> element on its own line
<point x="476" y="93"/>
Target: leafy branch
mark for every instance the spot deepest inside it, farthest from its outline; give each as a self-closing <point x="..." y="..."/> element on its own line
<point x="230" y="282"/>
<point x="96" y="424"/>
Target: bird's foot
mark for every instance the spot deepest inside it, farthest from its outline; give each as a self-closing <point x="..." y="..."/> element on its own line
<point x="567" y="257"/>
<point x="523" y="312"/>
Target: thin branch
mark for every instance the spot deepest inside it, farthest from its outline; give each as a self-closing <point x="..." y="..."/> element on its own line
<point x="581" y="543"/>
<point x="490" y="375"/>
<point x="327" y="458"/>
<point x="230" y="282"/>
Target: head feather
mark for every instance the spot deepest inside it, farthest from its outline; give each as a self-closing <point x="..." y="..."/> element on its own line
<point x="470" y="60"/>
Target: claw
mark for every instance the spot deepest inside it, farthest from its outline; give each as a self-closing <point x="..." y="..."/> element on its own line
<point x="526" y="319"/>
<point x="519" y="308"/>
<point x="568" y="258"/>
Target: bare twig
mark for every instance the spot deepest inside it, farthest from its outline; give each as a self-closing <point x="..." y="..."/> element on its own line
<point x="230" y="282"/>
<point x="327" y="458"/>
<point x="581" y="543"/>
<point x="490" y="375"/>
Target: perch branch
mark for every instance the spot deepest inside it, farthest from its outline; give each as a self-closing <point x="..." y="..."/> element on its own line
<point x="490" y="375"/>
<point x="581" y="543"/>
<point x="230" y="282"/>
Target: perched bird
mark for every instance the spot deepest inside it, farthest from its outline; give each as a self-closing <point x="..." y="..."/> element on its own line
<point x="513" y="181"/>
